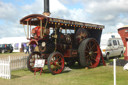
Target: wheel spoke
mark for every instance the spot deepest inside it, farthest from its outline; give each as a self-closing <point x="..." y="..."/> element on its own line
<point x="89" y="46"/>
<point x="86" y="51"/>
<point x="93" y="47"/>
<point x="56" y="63"/>
<point x="57" y="59"/>
<point x="96" y="52"/>
<point x="87" y="56"/>
<point x="54" y="68"/>
<point x="92" y="58"/>
<point x="87" y="61"/>
<point x="91" y="63"/>
<point x="51" y="62"/>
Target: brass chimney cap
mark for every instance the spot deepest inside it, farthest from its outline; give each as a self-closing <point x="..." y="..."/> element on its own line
<point x="46" y="13"/>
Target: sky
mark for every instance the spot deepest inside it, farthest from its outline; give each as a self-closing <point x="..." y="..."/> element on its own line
<point x="113" y="14"/>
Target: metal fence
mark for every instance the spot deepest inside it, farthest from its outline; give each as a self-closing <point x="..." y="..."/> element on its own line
<point x="9" y="64"/>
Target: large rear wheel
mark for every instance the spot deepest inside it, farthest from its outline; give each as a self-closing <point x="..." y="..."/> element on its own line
<point x="31" y="61"/>
<point x="55" y="63"/>
<point x="89" y="53"/>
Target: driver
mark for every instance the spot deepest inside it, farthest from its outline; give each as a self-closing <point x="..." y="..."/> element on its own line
<point x="36" y="31"/>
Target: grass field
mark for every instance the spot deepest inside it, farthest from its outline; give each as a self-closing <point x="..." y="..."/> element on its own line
<point x="102" y="75"/>
<point x="12" y="54"/>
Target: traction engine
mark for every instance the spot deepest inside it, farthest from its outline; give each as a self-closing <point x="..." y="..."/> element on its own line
<point x="62" y="42"/>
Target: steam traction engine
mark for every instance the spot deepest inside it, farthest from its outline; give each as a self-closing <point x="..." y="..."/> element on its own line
<point x="60" y="41"/>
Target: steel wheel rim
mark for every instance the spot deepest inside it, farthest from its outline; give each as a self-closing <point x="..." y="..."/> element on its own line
<point x="32" y="61"/>
<point x="57" y="63"/>
<point x="92" y="53"/>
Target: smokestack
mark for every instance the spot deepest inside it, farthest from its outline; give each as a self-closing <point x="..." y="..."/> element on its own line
<point x="46" y="8"/>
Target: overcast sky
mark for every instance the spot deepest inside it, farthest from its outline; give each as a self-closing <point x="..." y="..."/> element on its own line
<point x="111" y="13"/>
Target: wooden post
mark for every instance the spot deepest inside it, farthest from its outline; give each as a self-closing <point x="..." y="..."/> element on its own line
<point x="9" y="68"/>
<point x="27" y="30"/>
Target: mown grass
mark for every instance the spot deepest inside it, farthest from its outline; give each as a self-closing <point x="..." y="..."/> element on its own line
<point x="12" y="54"/>
<point x="102" y="75"/>
<point x="6" y="53"/>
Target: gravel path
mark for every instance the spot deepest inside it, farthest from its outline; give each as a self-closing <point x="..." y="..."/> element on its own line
<point x="119" y="62"/>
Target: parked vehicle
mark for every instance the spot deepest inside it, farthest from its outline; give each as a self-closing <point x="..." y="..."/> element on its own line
<point x="6" y="48"/>
<point x="111" y="45"/>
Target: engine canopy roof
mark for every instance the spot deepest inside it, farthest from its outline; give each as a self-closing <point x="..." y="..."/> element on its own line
<point x="34" y="19"/>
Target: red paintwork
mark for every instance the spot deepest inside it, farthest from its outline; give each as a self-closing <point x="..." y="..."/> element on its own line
<point x="67" y="53"/>
<point x="36" y="31"/>
<point x="102" y="59"/>
<point x="125" y="57"/>
<point x="71" y="53"/>
<point x="55" y="62"/>
<point x="97" y="57"/>
<point x="33" y="41"/>
<point x="124" y="34"/>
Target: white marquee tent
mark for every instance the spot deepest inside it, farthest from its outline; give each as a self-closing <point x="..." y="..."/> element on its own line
<point x="15" y="41"/>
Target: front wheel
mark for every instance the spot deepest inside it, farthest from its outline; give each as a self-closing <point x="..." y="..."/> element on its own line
<point x="55" y="63"/>
<point x="31" y="61"/>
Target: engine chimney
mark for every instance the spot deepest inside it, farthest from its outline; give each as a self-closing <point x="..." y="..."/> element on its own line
<point x="46" y="8"/>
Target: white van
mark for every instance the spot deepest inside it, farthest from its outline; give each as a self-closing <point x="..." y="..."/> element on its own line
<point x="111" y="45"/>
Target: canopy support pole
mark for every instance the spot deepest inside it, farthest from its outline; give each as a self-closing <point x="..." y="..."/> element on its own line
<point x="27" y="30"/>
<point x="41" y="28"/>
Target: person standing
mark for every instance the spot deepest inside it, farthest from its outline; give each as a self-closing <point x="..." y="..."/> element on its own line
<point x="22" y="46"/>
<point x="27" y="49"/>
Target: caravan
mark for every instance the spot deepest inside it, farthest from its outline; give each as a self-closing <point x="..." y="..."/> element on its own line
<point x="111" y="45"/>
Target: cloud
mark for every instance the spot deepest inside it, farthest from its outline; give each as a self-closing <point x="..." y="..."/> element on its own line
<point x="11" y="15"/>
<point x="119" y="25"/>
<point x="7" y="11"/>
<point x="111" y="13"/>
<point x="35" y="7"/>
<point x="8" y="18"/>
<point x="56" y="5"/>
<point x="70" y="1"/>
<point x="107" y="12"/>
